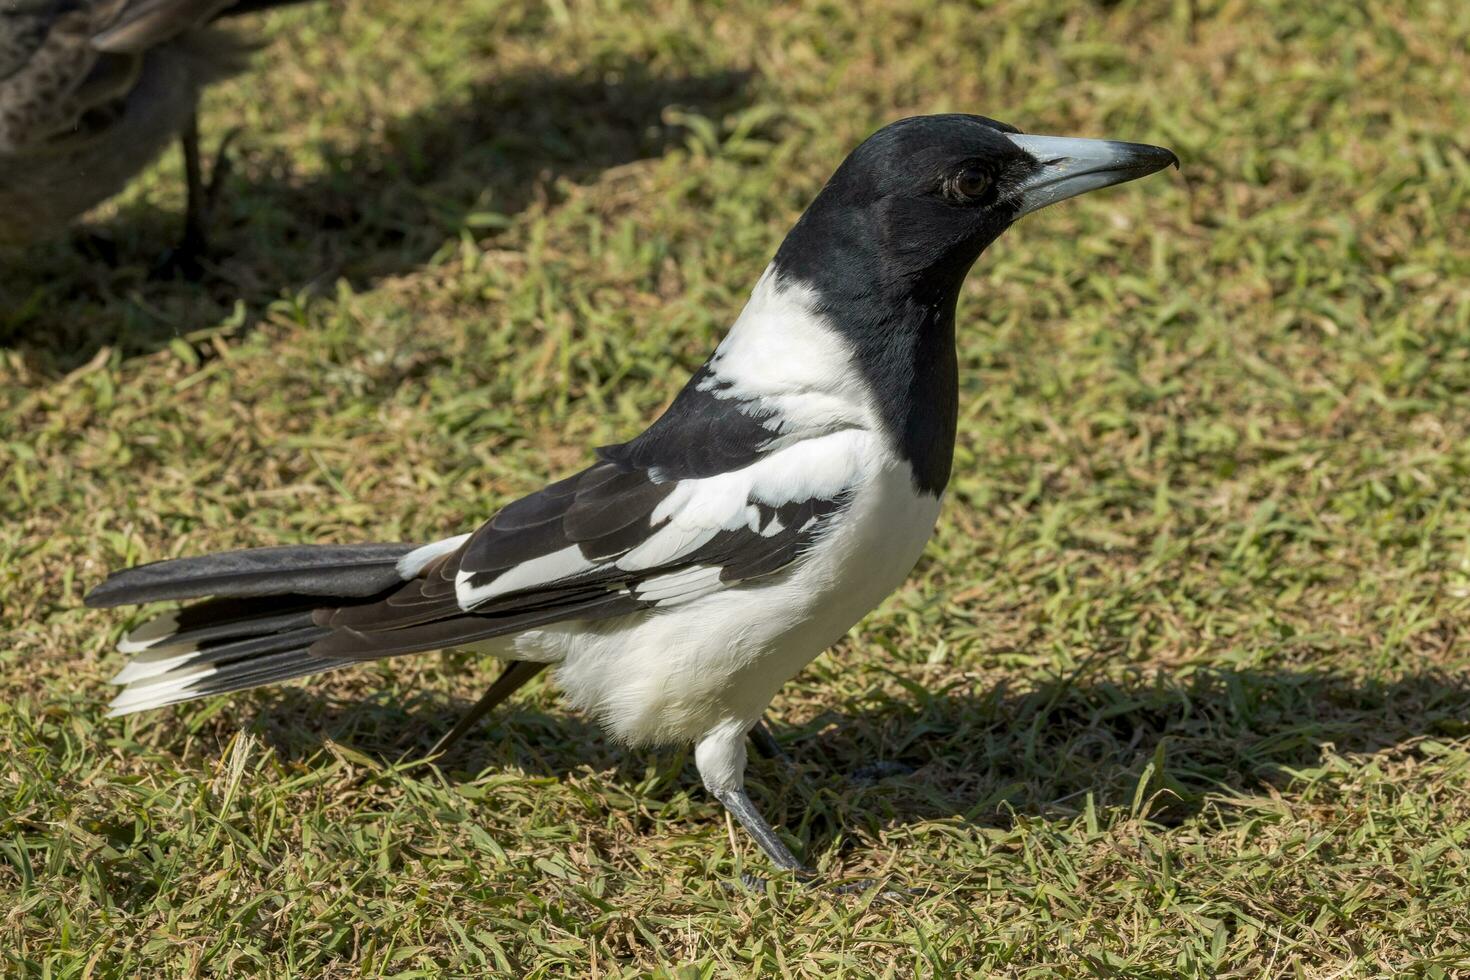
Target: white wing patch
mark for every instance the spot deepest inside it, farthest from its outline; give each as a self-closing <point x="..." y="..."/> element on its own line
<point x="695" y="511"/>
<point x="823" y="468"/>
<point x="666" y="545"/>
<point x="412" y="563"/>
<point x="681" y="586"/>
<point x="542" y="571"/>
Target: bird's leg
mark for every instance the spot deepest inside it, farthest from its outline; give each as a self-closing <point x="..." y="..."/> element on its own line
<point x="765" y="743"/>
<point x="512" y="679"/>
<point x="183" y="258"/>
<point x="720" y="757"/>
<point x="219" y="171"/>
<point x="195" y="238"/>
<point x="202" y="197"/>
<point x="738" y="802"/>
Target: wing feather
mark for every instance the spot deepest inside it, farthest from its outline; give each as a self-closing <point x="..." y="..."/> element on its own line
<point x="611" y="540"/>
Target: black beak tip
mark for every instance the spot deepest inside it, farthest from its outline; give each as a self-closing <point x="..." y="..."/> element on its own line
<point x="1159" y="157"/>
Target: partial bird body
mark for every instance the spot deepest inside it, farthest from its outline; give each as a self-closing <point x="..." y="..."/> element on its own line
<point x="676" y="583"/>
<point x="722" y="586"/>
<point x="705" y="664"/>
<point x="92" y="92"/>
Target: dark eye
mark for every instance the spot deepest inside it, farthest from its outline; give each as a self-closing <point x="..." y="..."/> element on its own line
<point x="970" y="183"/>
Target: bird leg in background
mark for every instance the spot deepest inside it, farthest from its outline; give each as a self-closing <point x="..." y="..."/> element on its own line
<point x="195" y="239"/>
<point x="201" y="202"/>
<point x="765" y="743"/>
<point x="738" y="802"/>
<point x="512" y="679"/>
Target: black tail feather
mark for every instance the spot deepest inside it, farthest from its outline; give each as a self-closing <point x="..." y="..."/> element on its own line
<point x="237" y="678"/>
<point x="343" y="571"/>
<point x="216" y="620"/>
<point x="257" y="647"/>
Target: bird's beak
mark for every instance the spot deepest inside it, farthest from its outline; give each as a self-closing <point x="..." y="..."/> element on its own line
<point x="1072" y="166"/>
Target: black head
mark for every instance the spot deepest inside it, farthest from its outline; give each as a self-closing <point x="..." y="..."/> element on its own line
<point x="918" y="201"/>
<point x="889" y="240"/>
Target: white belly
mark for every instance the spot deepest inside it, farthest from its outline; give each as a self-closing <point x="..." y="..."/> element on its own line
<point x="672" y="674"/>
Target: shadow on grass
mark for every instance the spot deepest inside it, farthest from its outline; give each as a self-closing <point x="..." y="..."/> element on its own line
<point x="381" y="208"/>
<point x="983" y="757"/>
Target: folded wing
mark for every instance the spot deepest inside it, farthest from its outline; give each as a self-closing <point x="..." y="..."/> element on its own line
<point x="609" y="541"/>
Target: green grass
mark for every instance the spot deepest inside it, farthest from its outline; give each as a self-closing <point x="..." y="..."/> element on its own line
<point x="1182" y="679"/>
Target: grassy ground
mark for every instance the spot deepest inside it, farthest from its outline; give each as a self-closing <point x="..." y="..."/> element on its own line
<point x="1181" y="683"/>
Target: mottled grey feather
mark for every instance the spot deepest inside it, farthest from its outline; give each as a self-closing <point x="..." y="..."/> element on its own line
<point x="91" y="91"/>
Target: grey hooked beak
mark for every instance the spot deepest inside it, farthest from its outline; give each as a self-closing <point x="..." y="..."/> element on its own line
<point x="1071" y="166"/>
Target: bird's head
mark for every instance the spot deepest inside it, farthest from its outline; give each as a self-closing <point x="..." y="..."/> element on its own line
<point x="914" y="206"/>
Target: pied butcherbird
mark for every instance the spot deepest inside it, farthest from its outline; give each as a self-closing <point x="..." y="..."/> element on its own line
<point x="682" y="577"/>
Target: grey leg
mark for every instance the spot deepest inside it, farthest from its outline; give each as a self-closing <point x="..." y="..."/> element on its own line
<point x="512" y="679"/>
<point x="737" y="801"/>
<point x="720" y="757"/>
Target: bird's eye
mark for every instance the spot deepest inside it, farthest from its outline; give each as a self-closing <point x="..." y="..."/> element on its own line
<point x="969" y="184"/>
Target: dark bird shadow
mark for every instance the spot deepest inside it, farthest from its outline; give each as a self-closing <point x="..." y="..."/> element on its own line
<point x="378" y="208"/>
<point x="1159" y="745"/>
<point x="1162" y="743"/>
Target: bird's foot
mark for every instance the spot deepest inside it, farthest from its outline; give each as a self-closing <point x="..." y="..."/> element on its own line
<point x="852" y="886"/>
<point x="756" y="884"/>
<point x="746" y="882"/>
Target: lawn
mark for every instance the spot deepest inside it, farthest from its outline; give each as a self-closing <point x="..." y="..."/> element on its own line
<point x="1181" y="687"/>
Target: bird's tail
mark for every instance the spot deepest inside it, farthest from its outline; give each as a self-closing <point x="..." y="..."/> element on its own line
<point x="256" y="627"/>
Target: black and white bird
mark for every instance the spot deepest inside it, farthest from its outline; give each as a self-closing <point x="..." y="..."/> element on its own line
<point x="679" y="580"/>
<point x="91" y="91"/>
